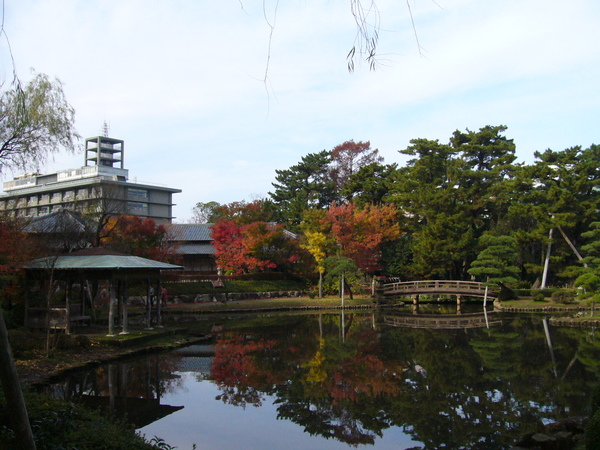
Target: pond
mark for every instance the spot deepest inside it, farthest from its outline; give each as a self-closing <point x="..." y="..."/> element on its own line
<point x="359" y="379"/>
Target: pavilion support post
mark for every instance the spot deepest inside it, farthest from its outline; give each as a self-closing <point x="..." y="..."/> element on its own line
<point x="27" y="284"/>
<point x="149" y="300"/>
<point x="67" y="308"/>
<point x="124" y="303"/>
<point x="111" y="309"/>
<point x="118" y="296"/>
<point x="158" y="308"/>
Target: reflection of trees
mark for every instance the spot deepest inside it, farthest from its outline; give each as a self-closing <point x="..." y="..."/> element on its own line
<point x="446" y="400"/>
<point x="342" y="392"/>
<point x="484" y="388"/>
<point x="241" y="375"/>
<point x="476" y="389"/>
<point x="336" y="388"/>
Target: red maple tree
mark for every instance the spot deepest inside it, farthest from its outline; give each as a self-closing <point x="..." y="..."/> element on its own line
<point x="140" y="237"/>
<point x="360" y="232"/>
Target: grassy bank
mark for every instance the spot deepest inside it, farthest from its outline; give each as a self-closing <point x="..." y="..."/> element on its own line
<point x="272" y="303"/>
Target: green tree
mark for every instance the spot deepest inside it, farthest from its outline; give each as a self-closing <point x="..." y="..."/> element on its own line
<point x="451" y="194"/>
<point x="559" y="192"/>
<point x="370" y="184"/>
<point x="496" y="262"/>
<point x="245" y="213"/>
<point x="588" y="283"/>
<point x="305" y="185"/>
<point x="205" y="212"/>
<point x="35" y="122"/>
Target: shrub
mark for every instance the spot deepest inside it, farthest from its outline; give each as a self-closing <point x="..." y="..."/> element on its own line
<point x="592" y="432"/>
<point x="563" y="296"/>
<point x="23" y="340"/>
<point x="596" y="400"/>
<point x="61" y="425"/>
<point x="538" y="296"/>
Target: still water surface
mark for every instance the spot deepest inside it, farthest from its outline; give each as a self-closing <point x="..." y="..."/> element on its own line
<point x="368" y="380"/>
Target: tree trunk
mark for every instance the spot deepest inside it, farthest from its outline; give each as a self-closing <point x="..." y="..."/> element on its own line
<point x="12" y="391"/>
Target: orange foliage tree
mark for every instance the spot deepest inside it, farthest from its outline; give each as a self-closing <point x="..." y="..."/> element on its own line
<point x="15" y="248"/>
<point x="255" y="247"/>
<point x="358" y="232"/>
<point x="140" y="237"/>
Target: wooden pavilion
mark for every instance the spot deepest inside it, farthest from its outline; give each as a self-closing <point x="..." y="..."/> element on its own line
<point x="87" y="268"/>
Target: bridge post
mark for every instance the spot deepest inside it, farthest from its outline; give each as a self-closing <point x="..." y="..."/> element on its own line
<point x="415" y="298"/>
<point x="378" y="287"/>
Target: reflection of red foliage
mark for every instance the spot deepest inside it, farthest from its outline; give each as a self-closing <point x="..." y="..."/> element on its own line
<point x="361" y="373"/>
<point x="238" y="372"/>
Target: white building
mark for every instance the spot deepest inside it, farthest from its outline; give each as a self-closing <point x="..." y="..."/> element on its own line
<point x="101" y="184"/>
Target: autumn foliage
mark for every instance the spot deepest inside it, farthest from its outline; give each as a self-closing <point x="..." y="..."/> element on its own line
<point x="361" y="232"/>
<point x="15" y="249"/>
<point x="238" y="372"/>
<point x="356" y="233"/>
<point x="140" y="237"/>
<point x="254" y="247"/>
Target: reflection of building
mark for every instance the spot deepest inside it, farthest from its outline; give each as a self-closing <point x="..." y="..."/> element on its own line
<point x="131" y="390"/>
<point x="101" y="184"/>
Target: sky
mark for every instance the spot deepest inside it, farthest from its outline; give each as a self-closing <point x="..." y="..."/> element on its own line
<point x="212" y="97"/>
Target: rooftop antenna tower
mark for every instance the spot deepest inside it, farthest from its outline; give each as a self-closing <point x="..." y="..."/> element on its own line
<point x="105" y="131"/>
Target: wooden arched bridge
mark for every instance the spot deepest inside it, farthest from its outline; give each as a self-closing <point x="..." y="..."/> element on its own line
<point x="443" y="287"/>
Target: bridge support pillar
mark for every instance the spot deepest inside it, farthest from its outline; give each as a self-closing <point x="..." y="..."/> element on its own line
<point x="415" y="298"/>
<point x="459" y="304"/>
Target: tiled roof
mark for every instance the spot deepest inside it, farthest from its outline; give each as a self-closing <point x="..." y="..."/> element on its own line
<point x="61" y="221"/>
<point x="190" y="232"/>
<point x="195" y="249"/>
<point x="99" y="259"/>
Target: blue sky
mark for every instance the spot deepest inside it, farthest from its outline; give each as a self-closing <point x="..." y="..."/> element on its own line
<point x="182" y="82"/>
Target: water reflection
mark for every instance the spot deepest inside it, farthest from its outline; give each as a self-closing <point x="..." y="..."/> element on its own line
<point x="359" y="379"/>
<point x="132" y="389"/>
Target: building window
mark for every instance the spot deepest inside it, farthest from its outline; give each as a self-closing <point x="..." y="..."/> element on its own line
<point x="82" y="194"/>
<point x="137" y="208"/>
<point x="137" y="193"/>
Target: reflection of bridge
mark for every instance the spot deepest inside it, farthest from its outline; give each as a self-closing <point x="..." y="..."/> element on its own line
<point x="196" y="358"/>
<point x="448" y="287"/>
<point x="443" y="321"/>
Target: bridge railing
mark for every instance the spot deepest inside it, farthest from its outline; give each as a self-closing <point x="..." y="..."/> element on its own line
<point x="438" y="286"/>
